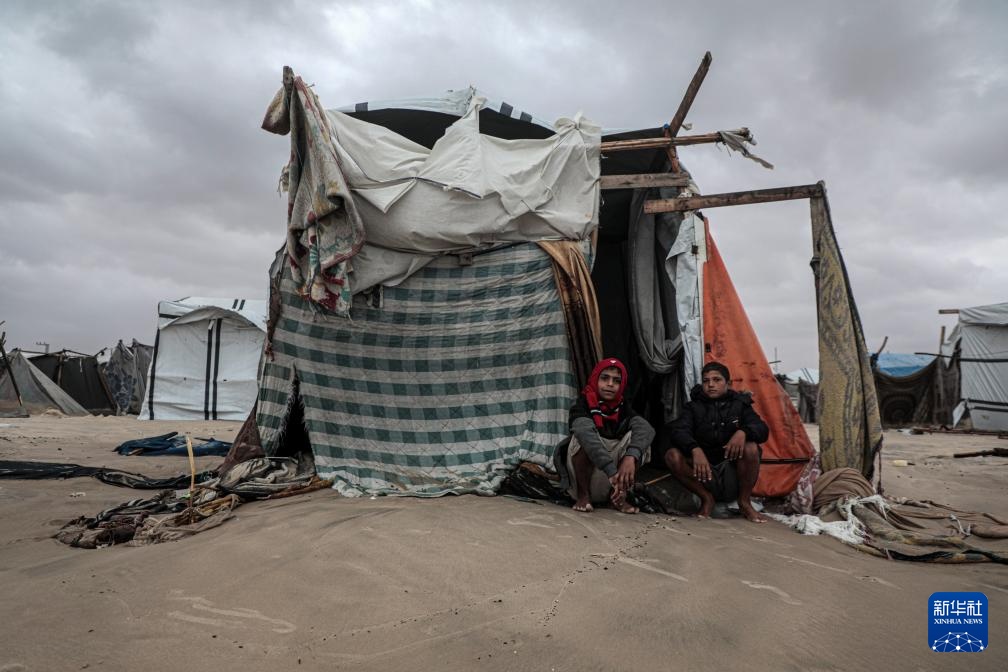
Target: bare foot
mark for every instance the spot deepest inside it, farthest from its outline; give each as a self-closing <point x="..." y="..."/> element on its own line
<point x="583" y="505"/>
<point x="620" y="503"/>
<point x="627" y="507"/>
<point x="706" y="505"/>
<point x="752" y="514"/>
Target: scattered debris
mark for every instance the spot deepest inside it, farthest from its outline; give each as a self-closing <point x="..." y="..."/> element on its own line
<point x="997" y="452"/>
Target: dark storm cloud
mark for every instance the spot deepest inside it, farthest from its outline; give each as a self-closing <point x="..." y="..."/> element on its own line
<point x="133" y="169"/>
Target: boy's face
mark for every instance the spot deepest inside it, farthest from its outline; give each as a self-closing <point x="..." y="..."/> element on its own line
<point x="714" y="384"/>
<point x="609" y="382"/>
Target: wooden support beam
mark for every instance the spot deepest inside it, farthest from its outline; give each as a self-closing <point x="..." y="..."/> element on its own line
<point x="664" y="143"/>
<point x="9" y="368"/>
<point x="691" y="92"/>
<point x="680" y="116"/>
<point x="646" y="181"/>
<point x="948" y="311"/>
<point x="733" y="198"/>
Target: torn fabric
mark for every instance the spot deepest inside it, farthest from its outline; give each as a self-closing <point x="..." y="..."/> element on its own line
<point x="850" y="427"/>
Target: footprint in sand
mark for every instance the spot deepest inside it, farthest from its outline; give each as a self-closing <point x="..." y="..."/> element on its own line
<point x="237" y="617"/>
<point x="785" y="598"/>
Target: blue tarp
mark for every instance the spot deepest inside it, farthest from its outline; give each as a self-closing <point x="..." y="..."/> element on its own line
<point x="900" y="365"/>
<point x="172" y="444"/>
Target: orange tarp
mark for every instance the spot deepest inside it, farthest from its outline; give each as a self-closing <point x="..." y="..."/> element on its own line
<point x="729" y="338"/>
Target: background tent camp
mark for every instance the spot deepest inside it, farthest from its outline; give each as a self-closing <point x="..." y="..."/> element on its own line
<point x="802" y="386"/>
<point x="110" y="385"/>
<point x="978" y="348"/>
<point x="205" y="359"/>
<point x="445" y="347"/>
<point x="80" y="376"/>
<point x="26" y="390"/>
<point x="909" y="389"/>
<point x="126" y="376"/>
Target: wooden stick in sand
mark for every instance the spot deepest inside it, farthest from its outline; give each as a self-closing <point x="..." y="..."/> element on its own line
<point x="192" y="472"/>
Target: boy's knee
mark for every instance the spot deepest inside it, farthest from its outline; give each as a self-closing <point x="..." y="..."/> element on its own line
<point x="674" y="458"/>
<point x="751" y="451"/>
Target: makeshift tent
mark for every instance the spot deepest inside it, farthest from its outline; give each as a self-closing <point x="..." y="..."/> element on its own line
<point x="126" y="376"/>
<point x="436" y="352"/>
<point x="205" y="360"/>
<point x="906" y="387"/>
<point x="909" y="389"/>
<point x="899" y="365"/>
<point x="979" y="343"/>
<point x="79" y="376"/>
<point x="38" y="393"/>
<point x="802" y="387"/>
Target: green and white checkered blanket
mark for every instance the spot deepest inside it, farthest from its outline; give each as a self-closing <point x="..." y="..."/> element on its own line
<point x="462" y="373"/>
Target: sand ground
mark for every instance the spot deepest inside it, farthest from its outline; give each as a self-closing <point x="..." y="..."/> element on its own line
<point x="318" y="582"/>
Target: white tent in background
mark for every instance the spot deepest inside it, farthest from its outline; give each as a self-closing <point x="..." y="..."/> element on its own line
<point x="981" y="337"/>
<point x="206" y="359"/>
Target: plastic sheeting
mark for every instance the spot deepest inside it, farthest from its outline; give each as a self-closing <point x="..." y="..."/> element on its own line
<point x="898" y="365"/>
<point x="480" y="190"/>
<point x="469" y="191"/>
<point x="730" y="339"/>
<point x="126" y="376"/>
<point x="685" y="257"/>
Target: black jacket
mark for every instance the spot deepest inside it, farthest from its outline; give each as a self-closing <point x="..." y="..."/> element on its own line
<point x="710" y="423"/>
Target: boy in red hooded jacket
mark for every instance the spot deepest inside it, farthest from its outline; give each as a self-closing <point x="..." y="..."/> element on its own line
<point x="608" y="442"/>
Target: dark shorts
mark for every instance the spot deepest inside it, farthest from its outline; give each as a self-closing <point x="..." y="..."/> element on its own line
<point x="724" y="484"/>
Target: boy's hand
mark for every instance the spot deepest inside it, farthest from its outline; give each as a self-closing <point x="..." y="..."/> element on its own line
<point x="735" y="445"/>
<point x="701" y="467"/>
<point x="626" y="473"/>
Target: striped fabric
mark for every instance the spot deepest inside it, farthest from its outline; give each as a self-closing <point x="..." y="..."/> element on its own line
<point x="462" y="373"/>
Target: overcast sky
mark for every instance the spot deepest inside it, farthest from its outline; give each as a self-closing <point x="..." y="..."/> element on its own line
<point x="133" y="168"/>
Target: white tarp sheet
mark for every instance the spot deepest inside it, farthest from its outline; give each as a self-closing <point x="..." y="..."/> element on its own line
<point x="683" y="263"/>
<point x="469" y="191"/>
<point x="206" y="359"/>
<point x="984" y="365"/>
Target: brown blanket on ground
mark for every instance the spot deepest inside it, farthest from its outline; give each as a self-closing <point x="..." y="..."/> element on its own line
<point x="924" y="531"/>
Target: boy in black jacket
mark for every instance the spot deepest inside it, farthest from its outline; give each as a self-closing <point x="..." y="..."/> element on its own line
<point x="714" y="444"/>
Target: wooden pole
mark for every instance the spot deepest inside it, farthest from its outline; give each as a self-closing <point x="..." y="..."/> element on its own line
<point x="948" y="311"/>
<point x="733" y="198"/>
<point x="684" y="106"/>
<point x="691" y="92"/>
<point x="939" y="386"/>
<point x="646" y="181"/>
<point x="10" y="369"/>
<point x="662" y="143"/>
